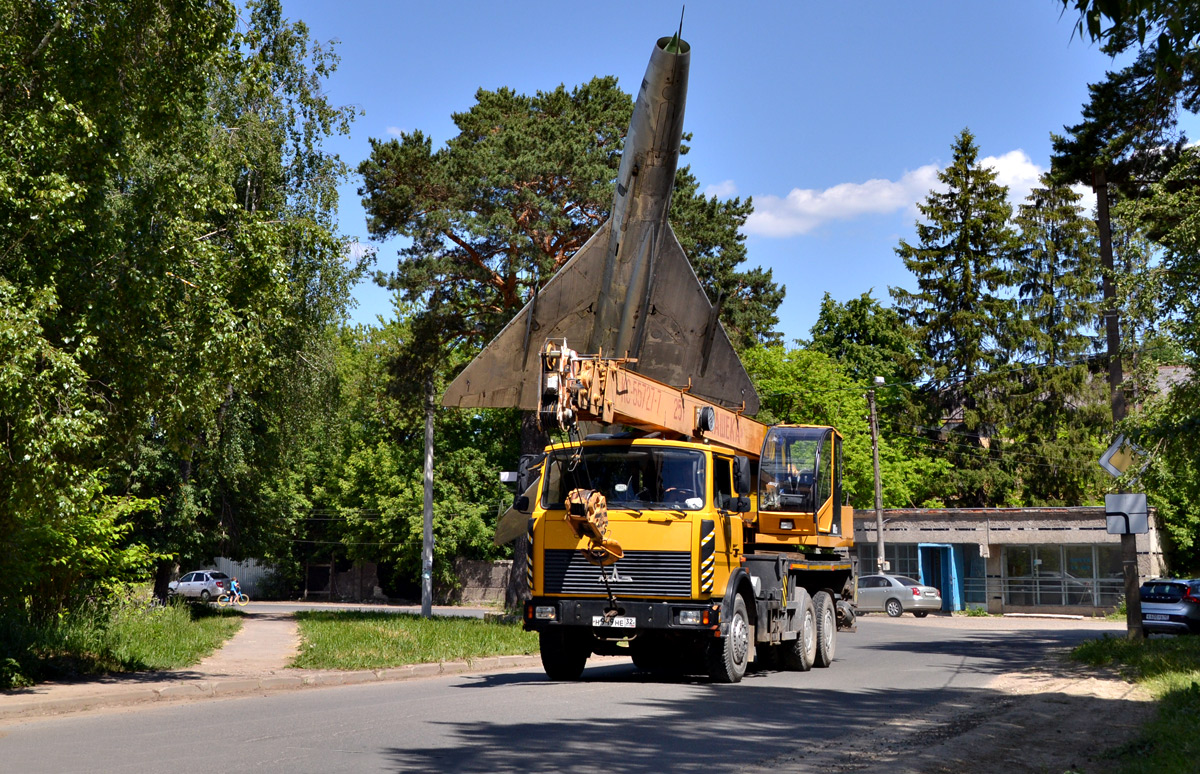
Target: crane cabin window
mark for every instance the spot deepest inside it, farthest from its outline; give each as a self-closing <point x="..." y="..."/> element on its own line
<point x="630" y="477"/>
<point x="795" y="469"/>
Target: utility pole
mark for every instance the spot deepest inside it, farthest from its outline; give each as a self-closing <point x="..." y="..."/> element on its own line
<point x="880" y="563"/>
<point x="1112" y="330"/>
<point x="427" y="535"/>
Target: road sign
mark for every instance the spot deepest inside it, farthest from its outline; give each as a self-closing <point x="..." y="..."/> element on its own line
<point x="1127" y="514"/>
<point x="1119" y="457"/>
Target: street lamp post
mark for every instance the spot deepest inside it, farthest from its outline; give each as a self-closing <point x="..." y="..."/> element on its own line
<point x="880" y="563"/>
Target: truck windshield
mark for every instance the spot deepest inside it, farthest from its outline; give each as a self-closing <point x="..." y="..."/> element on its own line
<point x="629" y="477"/>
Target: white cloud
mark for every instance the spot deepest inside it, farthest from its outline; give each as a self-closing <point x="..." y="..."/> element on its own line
<point x="805" y="209"/>
<point x="357" y="250"/>
<point x="722" y="190"/>
<point x="1017" y="171"/>
<point x="395" y="131"/>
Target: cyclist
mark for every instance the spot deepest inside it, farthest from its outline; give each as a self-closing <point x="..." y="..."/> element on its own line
<point x="234" y="590"/>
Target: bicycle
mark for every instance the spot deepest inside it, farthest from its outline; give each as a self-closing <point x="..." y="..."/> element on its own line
<point x="226" y="599"/>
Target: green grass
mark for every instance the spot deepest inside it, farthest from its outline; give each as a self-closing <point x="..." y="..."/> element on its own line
<point x="1169" y="668"/>
<point x="361" y="640"/>
<point x="126" y="636"/>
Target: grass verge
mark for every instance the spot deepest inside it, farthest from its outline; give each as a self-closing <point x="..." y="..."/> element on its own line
<point x="121" y="637"/>
<point x="1169" y="667"/>
<point x="363" y="640"/>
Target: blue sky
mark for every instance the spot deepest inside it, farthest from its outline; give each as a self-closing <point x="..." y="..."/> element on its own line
<point x="834" y="116"/>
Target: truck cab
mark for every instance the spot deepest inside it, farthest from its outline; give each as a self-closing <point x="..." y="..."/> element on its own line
<point x="688" y="583"/>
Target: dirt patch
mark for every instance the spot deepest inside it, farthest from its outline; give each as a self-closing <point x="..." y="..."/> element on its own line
<point x="1057" y="718"/>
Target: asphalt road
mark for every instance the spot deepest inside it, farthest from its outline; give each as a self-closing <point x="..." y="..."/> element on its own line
<point x="617" y="721"/>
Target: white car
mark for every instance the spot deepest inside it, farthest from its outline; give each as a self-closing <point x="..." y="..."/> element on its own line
<point x="201" y="584"/>
<point x="896" y="595"/>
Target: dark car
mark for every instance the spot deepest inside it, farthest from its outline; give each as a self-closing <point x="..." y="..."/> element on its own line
<point x="1171" y="606"/>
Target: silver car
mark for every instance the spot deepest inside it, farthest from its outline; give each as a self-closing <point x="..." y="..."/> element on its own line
<point x="1171" y="606"/>
<point x="202" y="585"/>
<point x="896" y="595"/>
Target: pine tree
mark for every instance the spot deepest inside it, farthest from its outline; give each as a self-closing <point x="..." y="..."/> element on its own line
<point x="962" y="314"/>
<point x="1056" y="409"/>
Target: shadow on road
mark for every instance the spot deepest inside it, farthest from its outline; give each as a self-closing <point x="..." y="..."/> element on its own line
<point x="714" y="727"/>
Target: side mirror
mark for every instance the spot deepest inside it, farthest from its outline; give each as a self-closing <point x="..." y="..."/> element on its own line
<point x="522" y="504"/>
<point x="741" y="505"/>
<point x="741" y="474"/>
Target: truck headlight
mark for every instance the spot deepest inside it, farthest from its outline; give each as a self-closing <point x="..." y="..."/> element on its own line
<point x="689" y="617"/>
<point x="545" y="612"/>
<point x="786" y="524"/>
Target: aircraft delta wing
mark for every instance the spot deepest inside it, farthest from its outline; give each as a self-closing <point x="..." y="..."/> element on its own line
<point x="630" y="290"/>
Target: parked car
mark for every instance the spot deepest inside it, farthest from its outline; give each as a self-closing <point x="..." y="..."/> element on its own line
<point x="201" y="584"/>
<point x="896" y="595"/>
<point x="1171" y="606"/>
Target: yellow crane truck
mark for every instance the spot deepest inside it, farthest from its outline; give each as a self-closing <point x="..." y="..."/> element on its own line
<point x="696" y="540"/>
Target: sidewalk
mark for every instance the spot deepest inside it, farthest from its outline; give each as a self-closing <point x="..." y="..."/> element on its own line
<point x="254" y="661"/>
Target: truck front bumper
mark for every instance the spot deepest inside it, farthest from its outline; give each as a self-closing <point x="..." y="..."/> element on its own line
<point x="630" y="617"/>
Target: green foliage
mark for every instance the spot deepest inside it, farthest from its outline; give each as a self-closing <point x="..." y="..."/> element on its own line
<point x="61" y="537"/>
<point x="352" y="640"/>
<point x="371" y="471"/>
<point x="168" y="266"/>
<point x="1169" y="31"/>
<point x="961" y="313"/>
<point x="961" y="264"/>
<point x="1170" y="668"/>
<point x="808" y="387"/>
<point x="128" y="635"/>
<point x="517" y="192"/>
<point x="867" y="338"/>
<point x="1170" y="215"/>
<point x="1056" y="411"/>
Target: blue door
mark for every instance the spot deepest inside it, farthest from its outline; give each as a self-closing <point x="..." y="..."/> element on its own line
<point x="939" y="565"/>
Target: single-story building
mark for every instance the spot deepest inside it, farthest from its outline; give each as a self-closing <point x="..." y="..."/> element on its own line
<point x="1059" y="560"/>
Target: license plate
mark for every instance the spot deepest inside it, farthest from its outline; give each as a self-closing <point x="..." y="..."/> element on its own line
<point x="619" y="622"/>
<point x="1157" y="617"/>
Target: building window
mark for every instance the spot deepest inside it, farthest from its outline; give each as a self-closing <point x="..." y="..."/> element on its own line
<point x="902" y="556"/>
<point x="1060" y="576"/>
<point x="974" y="579"/>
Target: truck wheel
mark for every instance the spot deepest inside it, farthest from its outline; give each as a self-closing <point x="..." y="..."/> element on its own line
<point x="826" y="628"/>
<point x="894" y="608"/>
<point x="800" y="653"/>
<point x="564" y="653"/>
<point x="727" y="655"/>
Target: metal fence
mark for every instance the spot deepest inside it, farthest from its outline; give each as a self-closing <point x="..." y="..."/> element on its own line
<point x="1048" y="591"/>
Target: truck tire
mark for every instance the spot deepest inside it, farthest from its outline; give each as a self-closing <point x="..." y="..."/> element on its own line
<point x="826" y="628"/>
<point x="800" y="653"/>
<point x="564" y="653"/>
<point x="727" y="655"/>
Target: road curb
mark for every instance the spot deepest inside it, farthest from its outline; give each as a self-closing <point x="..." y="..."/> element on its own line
<point x="15" y="706"/>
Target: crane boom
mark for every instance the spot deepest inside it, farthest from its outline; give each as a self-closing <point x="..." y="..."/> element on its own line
<point x="576" y="388"/>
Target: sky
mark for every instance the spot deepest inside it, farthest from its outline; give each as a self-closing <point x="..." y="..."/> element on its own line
<point x="835" y="116"/>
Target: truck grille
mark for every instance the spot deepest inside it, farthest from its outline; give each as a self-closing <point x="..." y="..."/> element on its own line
<point x="638" y="574"/>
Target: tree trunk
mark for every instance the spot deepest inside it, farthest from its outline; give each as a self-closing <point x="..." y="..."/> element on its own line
<point x="163" y="571"/>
